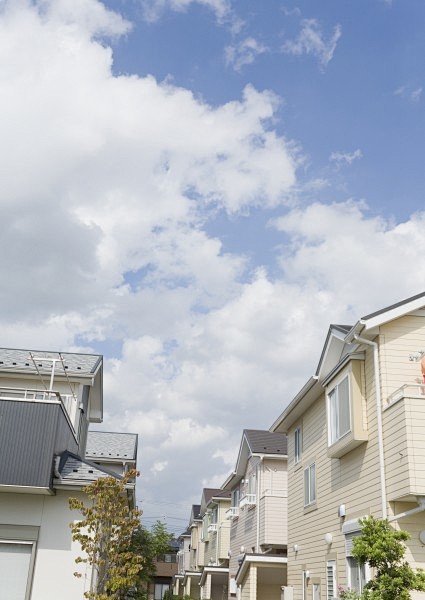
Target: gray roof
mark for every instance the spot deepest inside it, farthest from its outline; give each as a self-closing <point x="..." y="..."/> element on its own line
<point x="74" y="469"/>
<point x="21" y="361"/>
<point x="266" y="442"/>
<point x="392" y="306"/>
<point x="108" y="445"/>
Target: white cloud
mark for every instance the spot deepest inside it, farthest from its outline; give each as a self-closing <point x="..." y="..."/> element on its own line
<point x="345" y="158"/>
<point x="409" y="92"/>
<point x="311" y="40"/>
<point x="244" y="53"/>
<point x="153" y="9"/>
<point x="107" y="184"/>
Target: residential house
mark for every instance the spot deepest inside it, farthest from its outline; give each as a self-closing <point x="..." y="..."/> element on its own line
<point x="183" y="561"/>
<point x="47" y="401"/>
<point x="356" y="448"/>
<point x="166" y="570"/>
<point x="191" y="557"/>
<point x="216" y="540"/>
<point x="258" y="517"/>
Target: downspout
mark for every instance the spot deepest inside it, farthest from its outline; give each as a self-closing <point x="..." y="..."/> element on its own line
<point x="259" y="473"/>
<point x="378" y="421"/>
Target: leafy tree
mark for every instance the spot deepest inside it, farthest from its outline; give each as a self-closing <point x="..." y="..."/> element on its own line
<point x="382" y="547"/>
<point x="105" y="535"/>
<point x="150" y="544"/>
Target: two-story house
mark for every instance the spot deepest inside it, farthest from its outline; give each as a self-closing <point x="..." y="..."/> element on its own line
<point x="190" y="557"/>
<point x="47" y="401"/>
<point x="357" y="447"/>
<point x="216" y="538"/>
<point x="258" y="517"/>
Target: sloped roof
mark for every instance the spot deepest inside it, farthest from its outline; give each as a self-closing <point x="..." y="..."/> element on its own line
<point x="256" y="441"/>
<point x="74" y="469"/>
<point x="110" y="445"/>
<point x="393" y="306"/>
<point x="266" y="442"/>
<point x="21" y="361"/>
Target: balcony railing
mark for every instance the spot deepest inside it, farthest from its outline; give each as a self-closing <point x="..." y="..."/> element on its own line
<point x="212" y="528"/>
<point x="232" y="512"/>
<point x="68" y="401"/>
<point x="409" y="390"/>
<point x="248" y="500"/>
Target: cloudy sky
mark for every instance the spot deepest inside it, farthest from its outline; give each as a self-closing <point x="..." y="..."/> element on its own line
<point x="196" y="189"/>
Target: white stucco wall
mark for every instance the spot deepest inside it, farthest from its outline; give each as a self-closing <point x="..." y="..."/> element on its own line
<point x="55" y="555"/>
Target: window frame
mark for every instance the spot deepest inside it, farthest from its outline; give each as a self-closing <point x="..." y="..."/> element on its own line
<point x="334" y="410"/>
<point x="310" y="484"/>
<point x="331" y="574"/>
<point x="298" y="445"/>
<point x="27" y="542"/>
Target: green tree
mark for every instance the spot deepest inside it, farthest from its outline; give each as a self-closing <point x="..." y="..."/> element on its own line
<point x="105" y="534"/>
<point x="150" y="544"/>
<point x="382" y="547"/>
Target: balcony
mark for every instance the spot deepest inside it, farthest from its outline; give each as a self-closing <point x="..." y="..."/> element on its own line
<point x="248" y="500"/>
<point x="68" y="401"/>
<point x="232" y="512"/>
<point x="404" y="443"/>
<point x="212" y="528"/>
<point x="36" y="426"/>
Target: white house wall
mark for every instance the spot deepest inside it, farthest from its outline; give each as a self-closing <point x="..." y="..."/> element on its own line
<point x="55" y="555"/>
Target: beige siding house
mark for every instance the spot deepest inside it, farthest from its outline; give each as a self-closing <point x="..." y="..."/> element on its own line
<point x="258" y="517"/>
<point x="215" y="537"/>
<point x="356" y="446"/>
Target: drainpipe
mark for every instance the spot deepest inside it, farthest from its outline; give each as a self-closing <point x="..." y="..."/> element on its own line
<point x="378" y="421"/>
<point x="258" y="474"/>
<point x="420" y="500"/>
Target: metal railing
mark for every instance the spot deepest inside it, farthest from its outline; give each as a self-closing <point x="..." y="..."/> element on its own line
<point x="409" y="390"/>
<point x="248" y="500"/>
<point x="68" y="401"/>
<point x="232" y="512"/>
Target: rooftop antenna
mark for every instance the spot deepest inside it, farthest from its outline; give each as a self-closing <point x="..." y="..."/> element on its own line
<point x="50" y="359"/>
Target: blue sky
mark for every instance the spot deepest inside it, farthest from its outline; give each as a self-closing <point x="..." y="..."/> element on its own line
<point x="196" y="189"/>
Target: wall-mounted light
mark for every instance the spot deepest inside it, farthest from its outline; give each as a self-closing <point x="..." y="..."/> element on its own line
<point x="341" y="510"/>
<point x="295" y="548"/>
<point x="328" y="539"/>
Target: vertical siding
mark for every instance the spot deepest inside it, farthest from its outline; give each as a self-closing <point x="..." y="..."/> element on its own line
<point x="30" y="434"/>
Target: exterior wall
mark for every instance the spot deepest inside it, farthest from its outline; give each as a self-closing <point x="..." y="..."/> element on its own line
<point x="249" y="586"/>
<point x="397" y="340"/>
<point x="56" y="552"/>
<point x="272" y="503"/>
<point x="265" y="523"/>
<point x="353" y="479"/>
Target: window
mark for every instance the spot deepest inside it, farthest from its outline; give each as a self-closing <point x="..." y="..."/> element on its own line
<point x="331" y="586"/>
<point x="339" y="411"/>
<point x="160" y="589"/>
<point x="15" y="569"/>
<point x="235" y="497"/>
<point x="298" y="445"/>
<point x="310" y="485"/>
<point x="356" y="574"/>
